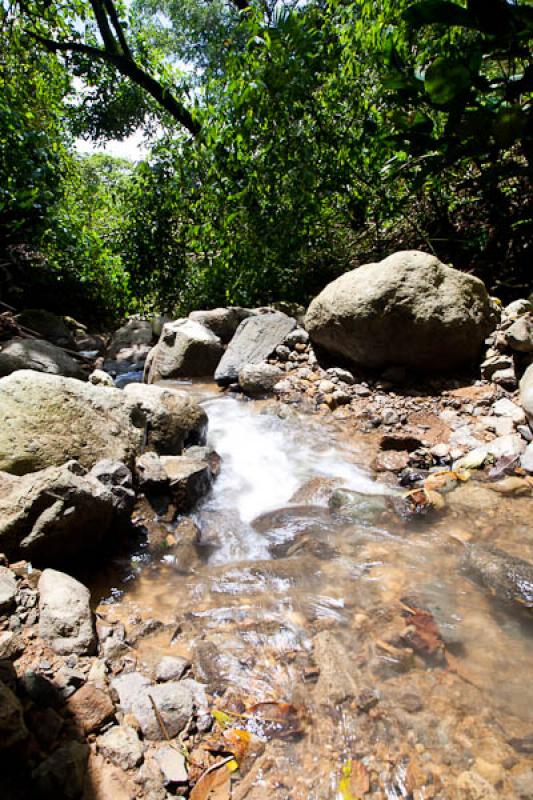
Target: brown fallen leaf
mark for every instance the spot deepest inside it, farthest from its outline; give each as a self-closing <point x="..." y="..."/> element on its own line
<point x="277" y="720"/>
<point x="422" y="633"/>
<point x="215" y="784"/>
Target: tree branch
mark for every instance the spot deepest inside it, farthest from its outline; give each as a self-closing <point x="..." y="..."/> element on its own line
<point x="130" y="69"/>
<point x="115" y="22"/>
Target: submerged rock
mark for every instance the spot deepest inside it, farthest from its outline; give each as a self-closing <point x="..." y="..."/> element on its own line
<point x="409" y="310"/>
<point x="39" y="355"/>
<point x="255" y="340"/>
<point x="185" y="349"/>
<point x="505" y="576"/>
<point x="65" y="618"/>
<point x="357" y="506"/>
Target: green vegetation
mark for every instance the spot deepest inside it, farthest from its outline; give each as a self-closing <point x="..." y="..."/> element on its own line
<point x="294" y="141"/>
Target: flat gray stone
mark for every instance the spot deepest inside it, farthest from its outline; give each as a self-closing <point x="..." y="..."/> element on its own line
<point x="65" y="617"/>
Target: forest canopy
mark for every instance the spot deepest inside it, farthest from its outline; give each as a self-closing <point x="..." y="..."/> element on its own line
<point x="290" y="141"/>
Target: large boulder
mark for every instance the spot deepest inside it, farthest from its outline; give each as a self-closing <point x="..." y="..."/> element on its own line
<point x="526" y="393"/>
<point x="185" y="349"/>
<point x="223" y="322"/>
<point x="66" y="621"/>
<point x="409" y="310"/>
<point x="48" y="419"/>
<point x="48" y="325"/>
<point x="134" y="333"/>
<point x="255" y="340"/>
<point x="55" y="513"/>
<point x="175" y="419"/>
<point x="37" y="354"/>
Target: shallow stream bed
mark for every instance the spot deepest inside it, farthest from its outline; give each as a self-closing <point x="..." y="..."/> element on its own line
<point x="408" y="679"/>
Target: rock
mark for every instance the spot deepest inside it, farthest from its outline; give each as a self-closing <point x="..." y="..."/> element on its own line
<point x="259" y="379"/>
<point x="365" y="508"/>
<point x="172" y="764"/>
<point x="185" y="349"/>
<point x="62" y="774"/>
<point x="174" y="703"/>
<point x="507" y="577"/>
<point x="48" y="325"/>
<point x="37" y="354"/>
<point x="506" y="408"/>
<point x="409" y="310"/>
<point x="55" y="513"/>
<point x="150" y="472"/>
<point x="11" y="645"/>
<point x="128" y="687"/>
<point x="91" y="708"/>
<point x="66" y="620"/>
<point x="391" y="461"/>
<point x="12" y="727"/>
<point x="336" y="682"/>
<point x="515" y="309"/>
<point x="526" y="461"/>
<point x="496" y="365"/>
<point x="128" y="360"/>
<point x="134" y="332"/>
<point x="189" y="476"/>
<point x="117" y="477"/>
<point x="8" y="587"/>
<point x="503" y="446"/>
<point x="223" y="322"/>
<point x="171" y="668"/>
<point x="520" y="335"/>
<point x="41" y="690"/>
<point x="472" y="786"/>
<point x="338" y="374"/>
<point x="100" y="378"/>
<point x="105" y="781"/>
<point x="526" y="393"/>
<point x="122" y="746"/>
<point x="255" y="340"/>
<point x="175" y="419"/>
<point x="48" y="419"/>
<point x="505" y="378"/>
<point x="523" y="784"/>
<point x="297" y="336"/>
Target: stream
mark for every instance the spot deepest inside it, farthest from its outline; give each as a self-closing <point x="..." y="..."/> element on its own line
<point x="282" y="600"/>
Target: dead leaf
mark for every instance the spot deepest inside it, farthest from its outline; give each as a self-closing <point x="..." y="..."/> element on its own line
<point x="213" y="785"/>
<point x="422" y="633"/>
<point x="279" y="720"/>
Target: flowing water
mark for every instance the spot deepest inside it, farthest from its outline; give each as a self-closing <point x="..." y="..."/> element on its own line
<point x="282" y="600"/>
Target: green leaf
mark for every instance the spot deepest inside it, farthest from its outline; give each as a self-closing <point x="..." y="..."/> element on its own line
<point x="431" y="12"/>
<point x="446" y="80"/>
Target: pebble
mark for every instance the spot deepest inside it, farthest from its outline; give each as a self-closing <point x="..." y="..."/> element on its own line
<point x="172" y="764"/>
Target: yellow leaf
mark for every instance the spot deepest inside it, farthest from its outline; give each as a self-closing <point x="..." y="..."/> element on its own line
<point x="221" y="717"/>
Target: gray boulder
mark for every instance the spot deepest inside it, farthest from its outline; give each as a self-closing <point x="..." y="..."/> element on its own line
<point x="175" y="419"/>
<point x="526" y="393"/>
<point x="255" y="340"/>
<point x="223" y="322"/>
<point x="48" y="419"/>
<point x="190" y="476"/>
<point x="259" y="379"/>
<point x="119" y="480"/>
<point x="55" y="513"/>
<point x="37" y="354"/>
<point x="409" y="310"/>
<point x="65" y="617"/>
<point x="185" y="349"/>
<point x="135" y="332"/>
<point x="520" y="335"/>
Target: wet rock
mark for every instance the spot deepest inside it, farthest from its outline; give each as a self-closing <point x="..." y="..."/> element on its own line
<point x="505" y="576"/>
<point x="66" y="620"/>
<point x="56" y="513"/>
<point x="255" y="340"/>
<point x="100" y="378"/>
<point x="520" y="335"/>
<point x="172" y="764"/>
<point x="62" y="774"/>
<point x="258" y="379"/>
<point x="8" y="587"/>
<point x="39" y="355"/>
<point x="91" y="708"/>
<point x="12" y="727"/>
<point x="122" y="746"/>
<point x="48" y="419"/>
<point x="526" y="393"/>
<point x="189" y="477"/>
<point x="185" y="349"/>
<point x="336" y="683"/>
<point x="171" y="668"/>
<point x="409" y="310"/>
<point x="174" y="419"/>
<point x="357" y="506"/>
<point x="223" y="322"/>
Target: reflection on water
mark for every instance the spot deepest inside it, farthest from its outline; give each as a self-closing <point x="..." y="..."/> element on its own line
<point x="285" y="601"/>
